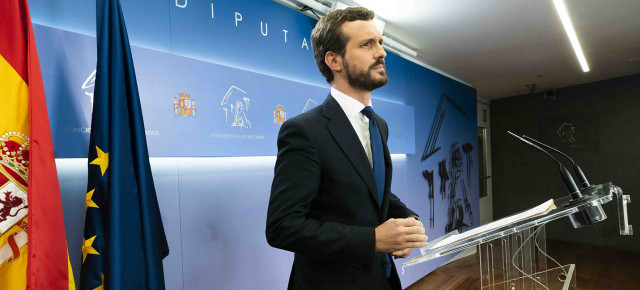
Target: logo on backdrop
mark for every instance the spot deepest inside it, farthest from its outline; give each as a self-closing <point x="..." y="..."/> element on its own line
<point x="236" y="107"/>
<point x="184" y="106"/>
<point x="566" y="133"/>
<point x="399" y="126"/>
<point x="88" y="85"/>
<point x="279" y="115"/>
<point x="309" y="105"/>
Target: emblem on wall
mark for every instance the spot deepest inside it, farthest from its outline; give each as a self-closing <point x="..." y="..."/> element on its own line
<point x="89" y="84"/>
<point x="236" y="107"/>
<point x="310" y="104"/>
<point x="566" y="133"/>
<point x="279" y="115"/>
<point x="184" y="106"/>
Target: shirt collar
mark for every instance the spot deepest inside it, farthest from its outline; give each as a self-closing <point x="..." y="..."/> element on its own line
<point x="349" y="105"/>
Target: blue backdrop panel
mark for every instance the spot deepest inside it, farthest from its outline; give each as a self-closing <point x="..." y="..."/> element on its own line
<point x="72" y="176"/>
<point x="400" y="121"/>
<point x="251" y="35"/>
<point x="223" y="225"/>
<point x="166" y="180"/>
<point x="214" y="208"/>
<point x="187" y="28"/>
<point x="191" y="107"/>
<point x="147" y="21"/>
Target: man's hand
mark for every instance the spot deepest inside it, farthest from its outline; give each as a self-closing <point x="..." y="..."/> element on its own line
<point x="399" y="235"/>
<point x="401" y="254"/>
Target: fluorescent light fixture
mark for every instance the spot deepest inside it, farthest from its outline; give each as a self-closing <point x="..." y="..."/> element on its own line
<point x="315" y="6"/>
<point x="568" y="27"/>
<point x="404" y="11"/>
<point x="379" y="23"/>
<point x="340" y="6"/>
<point x="394" y="45"/>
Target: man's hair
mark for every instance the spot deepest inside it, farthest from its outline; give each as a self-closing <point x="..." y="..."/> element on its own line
<point x="328" y="35"/>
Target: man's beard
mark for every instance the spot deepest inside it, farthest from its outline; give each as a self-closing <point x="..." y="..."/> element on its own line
<point x="363" y="79"/>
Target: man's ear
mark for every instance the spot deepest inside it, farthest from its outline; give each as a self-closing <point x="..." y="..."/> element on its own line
<point x="333" y="61"/>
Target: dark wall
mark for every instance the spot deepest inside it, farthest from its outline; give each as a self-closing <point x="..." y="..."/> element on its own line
<point x="597" y="124"/>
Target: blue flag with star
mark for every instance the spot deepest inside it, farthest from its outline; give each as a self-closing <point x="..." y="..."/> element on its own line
<point x="124" y="240"/>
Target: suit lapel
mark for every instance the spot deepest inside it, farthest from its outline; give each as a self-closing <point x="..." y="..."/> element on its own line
<point x="342" y="131"/>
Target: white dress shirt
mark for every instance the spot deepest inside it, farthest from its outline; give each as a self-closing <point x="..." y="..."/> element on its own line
<point x="360" y="123"/>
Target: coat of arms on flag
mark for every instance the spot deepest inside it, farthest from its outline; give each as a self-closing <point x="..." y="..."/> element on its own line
<point x="14" y="164"/>
<point x="13" y="179"/>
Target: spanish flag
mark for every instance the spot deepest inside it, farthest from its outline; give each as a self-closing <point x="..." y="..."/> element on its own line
<point x="33" y="249"/>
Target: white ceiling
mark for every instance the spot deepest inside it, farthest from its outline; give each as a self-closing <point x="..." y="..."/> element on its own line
<point x="500" y="46"/>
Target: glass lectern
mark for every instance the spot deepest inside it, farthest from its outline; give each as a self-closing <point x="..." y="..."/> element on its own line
<point x="513" y="256"/>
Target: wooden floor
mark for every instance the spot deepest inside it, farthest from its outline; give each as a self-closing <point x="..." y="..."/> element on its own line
<point x="596" y="268"/>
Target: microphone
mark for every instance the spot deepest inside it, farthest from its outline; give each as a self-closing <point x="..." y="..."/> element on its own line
<point x="588" y="212"/>
<point x="566" y="176"/>
<point x="576" y="169"/>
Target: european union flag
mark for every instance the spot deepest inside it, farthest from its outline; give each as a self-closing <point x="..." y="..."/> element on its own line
<point x="124" y="240"/>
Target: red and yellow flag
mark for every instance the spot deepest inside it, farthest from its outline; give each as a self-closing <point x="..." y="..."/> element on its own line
<point x="33" y="249"/>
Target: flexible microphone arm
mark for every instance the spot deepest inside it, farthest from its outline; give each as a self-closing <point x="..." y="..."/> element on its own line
<point x="576" y="169"/>
<point x="566" y="176"/>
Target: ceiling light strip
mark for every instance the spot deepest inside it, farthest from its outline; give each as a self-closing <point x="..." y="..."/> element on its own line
<point x="388" y="42"/>
<point x="315" y="6"/>
<point x="297" y="7"/>
<point x="568" y="27"/>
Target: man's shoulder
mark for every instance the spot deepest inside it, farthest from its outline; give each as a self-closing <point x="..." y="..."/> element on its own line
<point x="307" y="124"/>
<point x="309" y="117"/>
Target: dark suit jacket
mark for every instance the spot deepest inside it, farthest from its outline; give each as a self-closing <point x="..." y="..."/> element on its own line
<point x="324" y="202"/>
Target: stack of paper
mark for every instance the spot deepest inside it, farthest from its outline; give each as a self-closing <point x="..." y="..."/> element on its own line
<point x="536" y="211"/>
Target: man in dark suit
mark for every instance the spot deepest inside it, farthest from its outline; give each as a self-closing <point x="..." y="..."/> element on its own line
<point x="331" y="202"/>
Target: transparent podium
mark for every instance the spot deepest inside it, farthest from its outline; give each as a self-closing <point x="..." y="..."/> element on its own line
<point x="513" y="256"/>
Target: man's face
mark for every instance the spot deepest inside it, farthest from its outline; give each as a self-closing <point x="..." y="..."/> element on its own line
<point x="364" y="57"/>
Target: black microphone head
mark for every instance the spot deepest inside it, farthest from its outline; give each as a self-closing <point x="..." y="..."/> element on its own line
<point x="569" y="183"/>
<point x="584" y="183"/>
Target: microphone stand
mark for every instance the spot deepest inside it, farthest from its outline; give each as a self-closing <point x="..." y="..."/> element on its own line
<point x="590" y="212"/>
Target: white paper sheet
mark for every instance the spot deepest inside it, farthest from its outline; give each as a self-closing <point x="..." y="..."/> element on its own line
<point x="536" y="211"/>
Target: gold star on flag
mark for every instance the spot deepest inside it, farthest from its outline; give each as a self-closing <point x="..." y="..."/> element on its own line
<point x="89" y="202"/>
<point x="87" y="248"/>
<point x="101" y="287"/>
<point x="102" y="160"/>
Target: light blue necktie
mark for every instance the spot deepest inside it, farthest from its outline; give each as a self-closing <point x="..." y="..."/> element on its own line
<point x="377" y="155"/>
